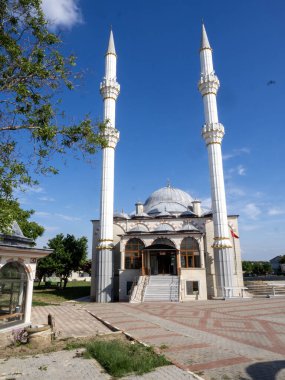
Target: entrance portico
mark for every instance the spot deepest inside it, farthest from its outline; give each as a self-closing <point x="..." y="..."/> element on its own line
<point x="160" y="258"/>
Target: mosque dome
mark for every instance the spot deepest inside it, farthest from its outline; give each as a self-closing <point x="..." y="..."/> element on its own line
<point x="168" y="199"/>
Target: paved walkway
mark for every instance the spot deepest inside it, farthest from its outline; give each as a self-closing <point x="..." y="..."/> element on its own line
<point x="218" y="340"/>
<point x="67" y="365"/>
<point x="215" y="339"/>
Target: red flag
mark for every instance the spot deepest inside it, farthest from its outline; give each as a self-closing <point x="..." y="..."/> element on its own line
<point x="234" y="235"/>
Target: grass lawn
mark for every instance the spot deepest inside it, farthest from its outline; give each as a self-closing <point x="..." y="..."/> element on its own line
<point x="120" y="358"/>
<point x="46" y="296"/>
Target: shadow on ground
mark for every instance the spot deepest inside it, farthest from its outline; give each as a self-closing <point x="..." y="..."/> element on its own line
<point x="265" y="370"/>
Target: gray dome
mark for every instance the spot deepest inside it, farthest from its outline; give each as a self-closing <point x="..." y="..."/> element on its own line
<point x="139" y="228"/>
<point x="163" y="227"/>
<point x="168" y="199"/>
<point x="189" y="227"/>
<point x="121" y="215"/>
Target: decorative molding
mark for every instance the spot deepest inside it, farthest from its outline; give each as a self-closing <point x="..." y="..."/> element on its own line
<point x="102" y="247"/>
<point x="109" y="53"/>
<point x="111" y="135"/>
<point x="208" y="84"/>
<point x="109" y="88"/>
<point x="213" y="133"/>
<point x="206" y="48"/>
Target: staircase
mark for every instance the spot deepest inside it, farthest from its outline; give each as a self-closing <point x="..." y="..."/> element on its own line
<point x="163" y="288"/>
<point x="264" y="290"/>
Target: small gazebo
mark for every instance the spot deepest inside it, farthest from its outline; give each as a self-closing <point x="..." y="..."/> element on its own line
<point x="18" y="261"/>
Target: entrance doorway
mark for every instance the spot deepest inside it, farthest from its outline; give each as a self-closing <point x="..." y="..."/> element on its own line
<point x="163" y="262"/>
<point x="161" y="258"/>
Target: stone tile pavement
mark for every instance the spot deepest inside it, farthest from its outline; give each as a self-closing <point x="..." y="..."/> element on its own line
<point x="67" y="365"/>
<point x="239" y="340"/>
<point x="217" y="340"/>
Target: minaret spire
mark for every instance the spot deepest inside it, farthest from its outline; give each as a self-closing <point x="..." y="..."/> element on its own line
<point x="111" y="47"/>
<point x="213" y="133"/>
<point x="205" y="44"/>
<point x="102" y="290"/>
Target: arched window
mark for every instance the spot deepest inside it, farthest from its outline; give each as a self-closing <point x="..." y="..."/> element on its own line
<point x="133" y="254"/>
<point x="13" y="286"/>
<point x="190" y="254"/>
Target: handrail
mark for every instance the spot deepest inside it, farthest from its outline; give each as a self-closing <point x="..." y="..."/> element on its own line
<point x="146" y="282"/>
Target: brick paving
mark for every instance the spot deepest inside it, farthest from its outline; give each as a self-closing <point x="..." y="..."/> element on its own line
<point x="239" y="340"/>
<point x="74" y="320"/>
<point x="71" y="320"/>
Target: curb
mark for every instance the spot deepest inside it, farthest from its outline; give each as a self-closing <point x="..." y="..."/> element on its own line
<point x="130" y="337"/>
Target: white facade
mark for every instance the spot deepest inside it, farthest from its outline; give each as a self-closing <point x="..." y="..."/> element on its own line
<point x="163" y="222"/>
<point x="18" y="261"/>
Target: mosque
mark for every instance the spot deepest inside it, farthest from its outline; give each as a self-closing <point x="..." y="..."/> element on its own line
<point x="170" y="248"/>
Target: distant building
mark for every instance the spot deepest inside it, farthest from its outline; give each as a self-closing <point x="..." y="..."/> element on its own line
<point x="275" y="264"/>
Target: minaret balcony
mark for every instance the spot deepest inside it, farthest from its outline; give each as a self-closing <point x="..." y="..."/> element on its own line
<point x="111" y="135"/>
<point x="109" y="88"/>
<point x="209" y="84"/>
<point x="213" y="133"/>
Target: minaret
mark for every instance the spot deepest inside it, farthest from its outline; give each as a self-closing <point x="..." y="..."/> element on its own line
<point x="213" y="133"/>
<point x="109" y="89"/>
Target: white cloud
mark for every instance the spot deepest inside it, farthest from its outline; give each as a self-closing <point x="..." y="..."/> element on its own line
<point x="62" y="13"/>
<point x="235" y="153"/>
<point x="241" y="170"/>
<point x="68" y="217"/>
<point x="30" y="189"/>
<point x="206" y="203"/>
<point x="234" y="191"/>
<point x="249" y="227"/>
<point x="252" y="211"/>
<point x="46" y="199"/>
<point x="42" y="214"/>
<point x="275" y="211"/>
<point x="51" y="228"/>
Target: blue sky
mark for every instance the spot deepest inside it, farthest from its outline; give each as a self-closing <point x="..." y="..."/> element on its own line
<point x="160" y="111"/>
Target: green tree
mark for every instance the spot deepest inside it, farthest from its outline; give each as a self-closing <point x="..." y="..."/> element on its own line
<point x="68" y="255"/>
<point x="86" y="266"/>
<point x="33" y="128"/>
<point x="247" y="266"/>
<point x="30" y="229"/>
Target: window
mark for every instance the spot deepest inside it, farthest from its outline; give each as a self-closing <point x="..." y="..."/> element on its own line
<point x="190" y="254"/>
<point x="133" y="254"/>
<point x="129" y="287"/>
<point x="192" y="287"/>
<point x="13" y="285"/>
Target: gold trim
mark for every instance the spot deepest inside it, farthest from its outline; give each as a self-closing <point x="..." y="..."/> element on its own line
<point x="108" y="147"/>
<point x="110" y="97"/>
<point x="214" y="142"/>
<point x="100" y="248"/>
<point x="221" y="246"/>
<point x="221" y="238"/>
<point x="111" y="54"/>
<point x="206" y="48"/>
<point x="99" y="240"/>
<point x="209" y="93"/>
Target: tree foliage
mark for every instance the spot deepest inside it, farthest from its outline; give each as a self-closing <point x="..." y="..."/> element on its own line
<point x="30" y="229"/>
<point x="32" y="126"/>
<point x="256" y="267"/>
<point x="68" y="255"/>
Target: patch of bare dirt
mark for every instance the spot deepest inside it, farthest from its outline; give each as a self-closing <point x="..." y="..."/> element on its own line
<point x="23" y="350"/>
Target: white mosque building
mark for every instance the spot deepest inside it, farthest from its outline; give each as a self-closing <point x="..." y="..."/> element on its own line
<point x="170" y="248"/>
